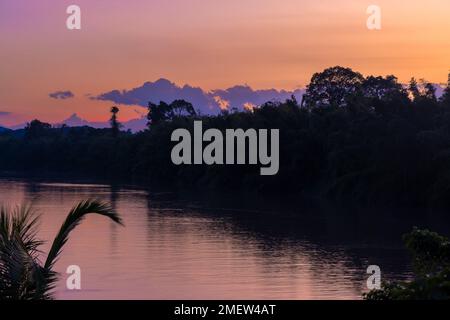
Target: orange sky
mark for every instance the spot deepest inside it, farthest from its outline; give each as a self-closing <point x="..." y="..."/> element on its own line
<point x="207" y="43"/>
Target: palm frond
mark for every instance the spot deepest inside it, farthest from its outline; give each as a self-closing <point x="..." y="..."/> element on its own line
<point x="75" y="217"/>
<point x="25" y="224"/>
<point x="22" y="276"/>
<point x="20" y="273"/>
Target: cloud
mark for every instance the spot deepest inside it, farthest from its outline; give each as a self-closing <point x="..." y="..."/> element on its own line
<point x="248" y="106"/>
<point x="222" y="103"/>
<point x="9" y="119"/>
<point x="244" y="97"/>
<point x="161" y="90"/>
<point x="241" y="97"/>
<point x="439" y="89"/>
<point x="61" y="95"/>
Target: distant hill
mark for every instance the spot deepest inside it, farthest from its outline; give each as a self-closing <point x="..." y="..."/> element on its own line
<point x="18" y="126"/>
<point x="135" y="125"/>
<point x="2" y="129"/>
<point x="75" y="121"/>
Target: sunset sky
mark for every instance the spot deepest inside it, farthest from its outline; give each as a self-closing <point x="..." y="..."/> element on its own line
<point x="212" y="44"/>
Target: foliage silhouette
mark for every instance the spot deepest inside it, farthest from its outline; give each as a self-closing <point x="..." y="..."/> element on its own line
<point x="37" y="129"/>
<point x="352" y="138"/>
<point x="445" y="99"/>
<point x="431" y="260"/>
<point x="115" y="124"/>
<point x="333" y="87"/>
<point x="167" y="112"/>
<point x="22" y="276"/>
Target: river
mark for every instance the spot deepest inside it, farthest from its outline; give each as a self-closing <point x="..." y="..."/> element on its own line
<point x="180" y="249"/>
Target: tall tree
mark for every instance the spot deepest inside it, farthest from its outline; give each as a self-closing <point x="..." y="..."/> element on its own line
<point x="413" y="89"/>
<point x="333" y="87"/>
<point x="166" y="112"/>
<point x="384" y="95"/>
<point x="384" y="89"/>
<point x="430" y="92"/>
<point x="445" y="99"/>
<point x="115" y="124"/>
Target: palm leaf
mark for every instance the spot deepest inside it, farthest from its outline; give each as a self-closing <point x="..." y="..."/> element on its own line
<point x="75" y="217"/>
<point x="21" y="273"/>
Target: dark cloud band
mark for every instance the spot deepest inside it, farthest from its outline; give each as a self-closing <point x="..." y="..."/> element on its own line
<point x="61" y="95"/>
<point x="206" y="102"/>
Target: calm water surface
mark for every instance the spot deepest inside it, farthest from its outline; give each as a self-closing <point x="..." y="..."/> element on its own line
<point x="180" y="250"/>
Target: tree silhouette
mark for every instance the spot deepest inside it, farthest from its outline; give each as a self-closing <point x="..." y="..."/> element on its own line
<point x="22" y="275"/>
<point x="422" y="93"/>
<point x="384" y="95"/>
<point x="445" y="99"/>
<point x="430" y="92"/>
<point x="115" y="124"/>
<point x="36" y="129"/>
<point x="413" y="89"/>
<point x="168" y="112"/>
<point x="431" y="265"/>
<point x="333" y="87"/>
<point x="371" y="143"/>
<point x="385" y="89"/>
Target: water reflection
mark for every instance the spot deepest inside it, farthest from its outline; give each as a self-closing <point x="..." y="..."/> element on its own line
<point x="179" y="249"/>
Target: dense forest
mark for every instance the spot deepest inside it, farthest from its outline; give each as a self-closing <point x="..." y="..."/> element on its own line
<point x="366" y="139"/>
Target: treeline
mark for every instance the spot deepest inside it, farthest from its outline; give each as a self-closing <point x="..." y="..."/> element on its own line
<point x="365" y="139"/>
